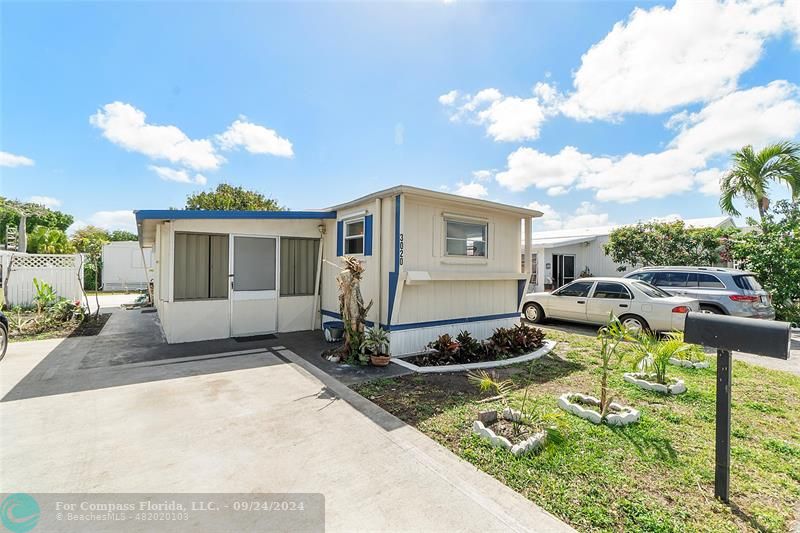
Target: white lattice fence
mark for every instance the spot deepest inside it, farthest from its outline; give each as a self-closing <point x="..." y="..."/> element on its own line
<point x="63" y="272"/>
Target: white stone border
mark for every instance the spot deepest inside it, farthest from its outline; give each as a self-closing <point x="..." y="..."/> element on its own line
<point x="544" y="350"/>
<point x="625" y="415"/>
<point x="689" y="364"/>
<point x="532" y="443"/>
<point x="637" y="378"/>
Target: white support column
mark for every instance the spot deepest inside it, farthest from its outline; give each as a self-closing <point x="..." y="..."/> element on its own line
<point x="541" y="261"/>
<point x="529" y="247"/>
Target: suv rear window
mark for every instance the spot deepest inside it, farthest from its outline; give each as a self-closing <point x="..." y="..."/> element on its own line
<point x="670" y="279"/>
<point x="705" y="281"/>
<point x="747" y="282"/>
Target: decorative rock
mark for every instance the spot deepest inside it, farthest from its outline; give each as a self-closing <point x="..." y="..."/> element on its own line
<point x="678" y="387"/>
<point x="622" y="416"/>
<point x="487" y="417"/>
<point x="511" y="415"/>
<point x="501" y="442"/>
<point x="477" y="427"/>
<point x="689" y="364"/>
<point x="528" y="445"/>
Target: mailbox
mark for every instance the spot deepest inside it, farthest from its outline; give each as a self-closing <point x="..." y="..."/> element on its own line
<point x="726" y="334"/>
<point x="760" y="337"/>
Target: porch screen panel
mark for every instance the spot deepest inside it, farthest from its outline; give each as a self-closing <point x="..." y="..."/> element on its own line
<point x="219" y="266"/>
<point x="253" y="264"/>
<point x="298" y="266"/>
<point x="191" y="266"/>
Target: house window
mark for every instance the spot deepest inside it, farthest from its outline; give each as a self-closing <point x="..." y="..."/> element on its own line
<point x="201" y="266"/>
<point x="466" y="238"/>
<point x="354" y="237"/>
<point x="298" y="266"/>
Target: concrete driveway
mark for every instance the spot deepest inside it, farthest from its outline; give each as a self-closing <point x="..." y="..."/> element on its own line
<point x="271" y="423"/>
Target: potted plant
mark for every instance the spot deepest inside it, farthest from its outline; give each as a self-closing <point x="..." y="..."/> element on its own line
<point x="599" y="410"/>
<point x="376" y="346"/>
<point x="653" y="355"/>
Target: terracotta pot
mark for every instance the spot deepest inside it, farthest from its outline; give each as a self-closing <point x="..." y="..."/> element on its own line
<point x="379" y="360"/>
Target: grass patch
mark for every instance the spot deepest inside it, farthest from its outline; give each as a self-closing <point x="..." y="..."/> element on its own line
<point x="657" y="475"/>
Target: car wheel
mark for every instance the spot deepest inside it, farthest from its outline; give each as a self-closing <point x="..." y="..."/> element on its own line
<point x="533" y="312"/>
<point x="710" y="310"/>
<point x="634" y="323"/>
<point x="3" y="340"/>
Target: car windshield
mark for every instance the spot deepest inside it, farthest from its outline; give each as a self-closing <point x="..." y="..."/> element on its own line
<point x="651" y="291"/>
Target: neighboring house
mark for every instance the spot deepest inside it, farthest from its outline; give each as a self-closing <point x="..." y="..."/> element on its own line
<point x="560" y="256"/>
<point x="125" y="266"/>
<point x="434" y="263"/>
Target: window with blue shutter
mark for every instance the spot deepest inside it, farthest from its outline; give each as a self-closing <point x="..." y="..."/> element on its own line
<point x="339" y="239"/>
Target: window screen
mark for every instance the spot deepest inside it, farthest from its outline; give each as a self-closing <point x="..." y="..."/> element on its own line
<point x="615" y="291"/>
<point x="201" y="266"/>
<point x="298" y="266"/>
<point x="464" y="238"/>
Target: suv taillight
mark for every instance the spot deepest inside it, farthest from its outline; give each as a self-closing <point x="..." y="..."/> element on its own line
<point x="681" y="309"/>
<point x="743" y="298"/>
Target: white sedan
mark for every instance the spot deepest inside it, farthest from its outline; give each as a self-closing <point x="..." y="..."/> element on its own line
<point x="638" y="304"/>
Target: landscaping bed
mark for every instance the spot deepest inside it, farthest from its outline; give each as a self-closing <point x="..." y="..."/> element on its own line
<point x="654" y="475"/>
<point x="32" y="331"/>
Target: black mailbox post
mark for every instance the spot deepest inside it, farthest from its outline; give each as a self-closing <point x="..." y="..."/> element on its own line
<point x="727" y="334"/>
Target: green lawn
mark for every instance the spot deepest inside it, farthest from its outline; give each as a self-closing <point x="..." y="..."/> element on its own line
<point x="656" y="475"/>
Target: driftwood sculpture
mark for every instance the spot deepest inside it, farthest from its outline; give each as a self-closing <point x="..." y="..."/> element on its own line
<point x="352" y="308"/>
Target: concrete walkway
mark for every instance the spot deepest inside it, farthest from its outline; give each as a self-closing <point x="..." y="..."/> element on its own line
<point x="270" y="423"/>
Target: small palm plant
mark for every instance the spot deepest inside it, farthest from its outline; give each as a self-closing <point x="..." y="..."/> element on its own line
<point x="610" y="337"/>
<point x="652" y="354"/>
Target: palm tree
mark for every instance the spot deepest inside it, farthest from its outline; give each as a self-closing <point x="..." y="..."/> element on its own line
<point x="752" y="172"/>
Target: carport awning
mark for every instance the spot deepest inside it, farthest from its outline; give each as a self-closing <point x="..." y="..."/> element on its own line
<point x="560" y="241"/>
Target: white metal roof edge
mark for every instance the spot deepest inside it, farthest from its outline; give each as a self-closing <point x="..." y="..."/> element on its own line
<point x="439" y="195"/>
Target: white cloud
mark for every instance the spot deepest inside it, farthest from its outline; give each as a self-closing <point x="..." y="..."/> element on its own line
<point x="557" y="190"/>
<point x="585" y="216"/>
<point x="255" y="139"/>
<point x="662" y="58"/>
<point x="180" y="176"/>
<point x="399" y="134"/>
<point x="483" y="175"/>
<point x="114" y="220"/>
<point x="448" y="98"/>
<point x="506" y="118"/>
<point x="754" y="116"/>
<point x="708" y="181"/>
<point x="47" y="201"/>
<point x="127" y="127"/>
<point x="8" y="159"/>
<point x="472" y="189"/>
<point x="528" y="167"/>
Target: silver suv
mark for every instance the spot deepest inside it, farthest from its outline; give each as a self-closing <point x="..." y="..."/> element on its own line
<point x="724" y="291"/>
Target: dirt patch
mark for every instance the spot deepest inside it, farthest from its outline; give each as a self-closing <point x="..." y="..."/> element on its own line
<point x="73" y="328"/>
<point x="91" y="326"/>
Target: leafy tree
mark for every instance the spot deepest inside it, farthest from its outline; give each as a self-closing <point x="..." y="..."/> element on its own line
<point x="44" y="240"/>
<point x="37" y="215"/>
<point x="667" y="243"/>
<point x="122" y="235"/>
<point x="752" y="172"/>
<point x="230" y="198"/>
<point x="89" y="240"/>
<point x="773" y="254"/>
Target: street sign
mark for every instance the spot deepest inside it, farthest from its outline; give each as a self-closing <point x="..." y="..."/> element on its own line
<point x="726" y="334"/>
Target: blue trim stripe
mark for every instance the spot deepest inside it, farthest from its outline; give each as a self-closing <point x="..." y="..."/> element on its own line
<point x="521" y="289"/>
<point x="339" y="239"/>
<point x="338" y="317"/>
<point x="176" y="214"/>
<point x="368" y="235"/>
<point x="393" y="276"/>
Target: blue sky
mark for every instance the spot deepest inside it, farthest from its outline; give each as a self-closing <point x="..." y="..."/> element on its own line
<point x="542" y="104"/>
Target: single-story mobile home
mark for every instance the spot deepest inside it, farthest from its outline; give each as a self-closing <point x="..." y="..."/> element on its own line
<point x="434" y="263"/>
<point x="561" y="256"/>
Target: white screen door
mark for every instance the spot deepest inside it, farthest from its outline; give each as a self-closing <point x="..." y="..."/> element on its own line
<point x="254" y="291"/>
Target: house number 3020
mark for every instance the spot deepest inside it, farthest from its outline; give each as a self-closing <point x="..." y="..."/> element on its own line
<point x="401" y="248"/>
